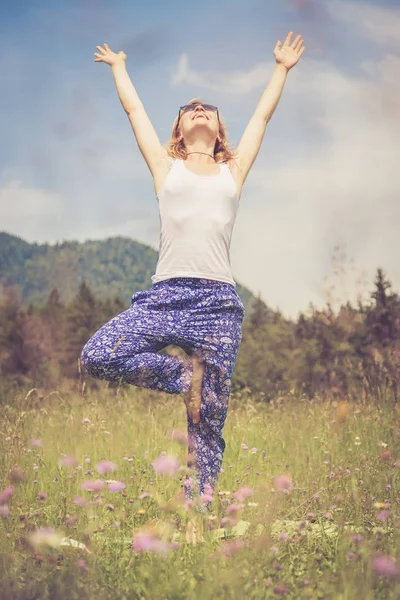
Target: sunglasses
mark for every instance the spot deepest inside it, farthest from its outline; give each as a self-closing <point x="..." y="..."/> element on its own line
<point x="189" y="107"/>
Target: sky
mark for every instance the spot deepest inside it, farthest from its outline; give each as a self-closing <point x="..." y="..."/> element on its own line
<point x="320" y="208"/>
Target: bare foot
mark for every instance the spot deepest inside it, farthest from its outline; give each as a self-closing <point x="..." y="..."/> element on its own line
<point x="193" y="396"/>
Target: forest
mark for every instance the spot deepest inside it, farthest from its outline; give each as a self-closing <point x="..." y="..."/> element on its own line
<point x="350" y="353"/>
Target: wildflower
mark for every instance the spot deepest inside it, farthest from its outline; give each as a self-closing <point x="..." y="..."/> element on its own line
<point x="206" y="497"/>
<point x="71" y="520"/>
<point x="86" y="420"/>
<point x="388" y="486"/>
<point x="80" y="501"/>
<point x="253" y="450"/>
<point x="357" y="539"/>
<point x="244" y="447"/>
<point x="166" y="465"/>
<point x="6" y="494"/>
<point x="385" y="566"/>
<point x="383" y="515"/>
<point x="148" y="542"/>
<point x="105" y="466"/>
<point x="243" y="492"/>
<point x="67" y="461"/>
<point x="386" y="456"/>
<point x="283" y="482"/>
<point x="42" y="496"/>
<point x="283" y="536"/>
<point x="231" y="547"/>
<point x="234" y="509"/>
<point x="92" y="486"/>
<point x="116" y="486"/>
<point x="4" y="510"/>
<point x="352" y="555"/>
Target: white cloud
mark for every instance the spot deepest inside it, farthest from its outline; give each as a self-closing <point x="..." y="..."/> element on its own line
<point x="239" y="82"/>
<point x="31" y="213"/>
<point x="19" y="202"/>
<point x="346" y="192"/>
<point x="375" y="22"/>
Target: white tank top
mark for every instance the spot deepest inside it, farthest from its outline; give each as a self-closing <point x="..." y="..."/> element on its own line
<point x="197" y="215"/>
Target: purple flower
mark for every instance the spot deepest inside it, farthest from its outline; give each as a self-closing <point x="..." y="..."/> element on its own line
<point x="283" y="482"/>
<point x="42" y="496"/>
<point x="166" y="465"/>
<point x="147" y="542"/>
<point x="234" y="508"/>
<point x="6" y="494"/>
<point x="244" y="447"/>
<point x="283" y="536"/>
<point x="357" y="539"/>
<point x="105" y="466"/>
<point x="383" y="515"/>
<point x="92" y="486"/>
<point x="231" y="547"/>
<point x="243" y="492"/>
<point x="4" y="510"/>
<point x="80" y="501"/>
<point x="116" y="486"/>
<point x="385" y="566"/>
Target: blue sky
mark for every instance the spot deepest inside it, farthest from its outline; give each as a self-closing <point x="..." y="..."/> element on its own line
<point x="320" y="209"/>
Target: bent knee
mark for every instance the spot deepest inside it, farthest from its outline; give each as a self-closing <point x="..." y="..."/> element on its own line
<point x="92" y="361"/>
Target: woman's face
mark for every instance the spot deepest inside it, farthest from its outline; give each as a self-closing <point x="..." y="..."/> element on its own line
<point x="199" y="123"/>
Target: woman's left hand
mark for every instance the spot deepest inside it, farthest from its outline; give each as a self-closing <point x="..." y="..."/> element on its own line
<point x="289" y="55"/>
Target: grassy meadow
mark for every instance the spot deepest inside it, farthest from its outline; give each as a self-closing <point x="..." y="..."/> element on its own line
<point x="92" y="506"/>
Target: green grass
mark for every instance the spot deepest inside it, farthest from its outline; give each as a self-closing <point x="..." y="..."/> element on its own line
<point x="343" y="464"/>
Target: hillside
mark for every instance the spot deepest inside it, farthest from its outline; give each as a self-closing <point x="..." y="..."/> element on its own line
<point x="117" y="266"/>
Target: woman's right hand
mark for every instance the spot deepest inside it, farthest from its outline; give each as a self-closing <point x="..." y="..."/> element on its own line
<point x="109" y="57"/>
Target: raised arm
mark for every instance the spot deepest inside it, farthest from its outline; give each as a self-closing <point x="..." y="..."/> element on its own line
<point x="146" y="137"/>
<point x="250" y="143"/>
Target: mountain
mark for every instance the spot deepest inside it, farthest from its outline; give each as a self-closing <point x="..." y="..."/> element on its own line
<point x="117" y="266"/>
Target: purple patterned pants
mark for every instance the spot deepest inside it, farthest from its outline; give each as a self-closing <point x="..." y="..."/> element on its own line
<point x="203" y="317"/>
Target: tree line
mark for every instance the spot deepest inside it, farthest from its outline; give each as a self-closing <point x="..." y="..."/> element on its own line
<point x="352" y="353"/>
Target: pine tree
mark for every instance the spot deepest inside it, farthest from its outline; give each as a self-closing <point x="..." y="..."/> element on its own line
<point x="260" y="314"/>
<point x="83" y="319"/>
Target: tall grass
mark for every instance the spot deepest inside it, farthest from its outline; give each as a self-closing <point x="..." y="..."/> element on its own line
<point x="307" y="503"/>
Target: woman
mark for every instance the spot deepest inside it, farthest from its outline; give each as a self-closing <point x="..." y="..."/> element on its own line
<point x="192" y="303"/>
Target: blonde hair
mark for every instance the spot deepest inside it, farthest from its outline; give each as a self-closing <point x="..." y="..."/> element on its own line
<point x="222" y="153"/>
